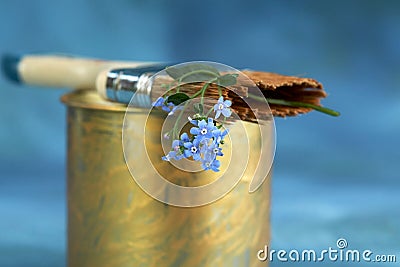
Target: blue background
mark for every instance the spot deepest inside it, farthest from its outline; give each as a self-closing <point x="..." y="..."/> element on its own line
<point x="334" y="177"/>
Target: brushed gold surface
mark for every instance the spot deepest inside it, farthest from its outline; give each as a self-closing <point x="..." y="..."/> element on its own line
<point x="113" y="223"/>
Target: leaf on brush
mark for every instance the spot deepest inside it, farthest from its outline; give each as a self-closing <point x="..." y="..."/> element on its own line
<point x="227" y="80"/>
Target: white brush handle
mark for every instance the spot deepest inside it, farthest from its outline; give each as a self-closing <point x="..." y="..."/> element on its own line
<point x="64" y="71"/>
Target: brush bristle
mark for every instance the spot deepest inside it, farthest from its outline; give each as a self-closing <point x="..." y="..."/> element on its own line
<point x="272" y="85"/>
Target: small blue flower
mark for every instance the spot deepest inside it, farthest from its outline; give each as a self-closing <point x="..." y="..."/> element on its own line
<point x="222" y="107"/>
<point x="174" y="108"/>
<point x="160" y="102"/>
<point x="185" y="138"/>
<point x="208" y="155"/>
<point x="219" y="135"/>
<point x="214" y="149"/>
<point x="175" y="152"/>
<point x="204" y="143"/>
<point x="192" y="121"/>
<point x="192" y="149"/>
<point x="211" y="165"/>
<point x="210" y="149"/>
<point x="176" y="144"/>
<point x="204" y="129"/>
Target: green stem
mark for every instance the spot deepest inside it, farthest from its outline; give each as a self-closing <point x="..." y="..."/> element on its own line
<point x="175" y="133"/>
<point x="208" y="113"/>
<point x="170" y="88"/>
<point x="295" y="104"/>
<point x="202" y="90"/>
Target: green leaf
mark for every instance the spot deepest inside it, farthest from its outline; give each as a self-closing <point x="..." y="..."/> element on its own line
<point x="198" y="108"/>
<point x="177" y="98"/>
<point x="295" y="104"/>
<point x="227" y="80"/>
<point x="192" y="72"/>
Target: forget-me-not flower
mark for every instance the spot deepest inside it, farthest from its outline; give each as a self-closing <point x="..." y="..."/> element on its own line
<point x="211" y="165"/>
<point x="160" y="102"/>
<point x="219" y="135"/>
<point x="176" y="152"/>
<point x="222" y="107"/>
<point x="192" y="149"/>
<point x="204" y="129"/>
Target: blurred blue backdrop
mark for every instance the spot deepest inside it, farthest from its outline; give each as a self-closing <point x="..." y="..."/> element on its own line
<point x="334" y="177"/>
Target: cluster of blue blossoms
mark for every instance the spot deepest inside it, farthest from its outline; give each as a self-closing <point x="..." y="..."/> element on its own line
<point x="205" y="138"/>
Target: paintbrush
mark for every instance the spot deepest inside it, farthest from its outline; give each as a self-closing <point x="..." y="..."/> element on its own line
<point x="120" y="80"/>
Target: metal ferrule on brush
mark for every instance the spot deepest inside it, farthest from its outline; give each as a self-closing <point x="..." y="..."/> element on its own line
<point x="131" y="85"/>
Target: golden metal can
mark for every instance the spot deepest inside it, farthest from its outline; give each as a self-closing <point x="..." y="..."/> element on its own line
<point x="112" y="222"/>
